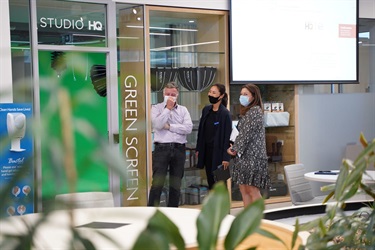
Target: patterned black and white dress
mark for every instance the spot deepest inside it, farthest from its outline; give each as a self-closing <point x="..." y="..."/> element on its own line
<point x="250" y="164"/>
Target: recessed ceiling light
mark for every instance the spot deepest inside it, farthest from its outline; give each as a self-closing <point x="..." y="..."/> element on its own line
<point x="191" y="21"/>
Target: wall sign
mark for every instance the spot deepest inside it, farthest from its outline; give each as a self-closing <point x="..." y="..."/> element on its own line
<point x="70" y="24"/>
<point x="16" y="159"/>
<point x="133" y="110"/>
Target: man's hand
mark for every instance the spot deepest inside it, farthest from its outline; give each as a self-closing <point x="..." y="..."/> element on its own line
<point x="167" y="126"/>
<point x="170" y="103"/>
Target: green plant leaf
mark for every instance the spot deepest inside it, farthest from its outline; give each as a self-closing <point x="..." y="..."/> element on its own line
<point x="352" y="190"/>
<point x="86" y="243"/>
<point x="159" y="232"/>
<point x="330" y="187"/>
<point x="295" y="233"/>
<point x="314" y="223"/>
<point x="368" y="150"/>
<point x="270" y="235"/>
<point x="329" y="196"/>
<point x="151" y="240"/>
<point x="322" y="228"/>
<point x="340" y="183"/>
<point x="370" y="228"/>
<point x="246" y="223"/>
<point x="368" y="190"/>
<point x="356" y="173"/>
<point x="215" y="207"/>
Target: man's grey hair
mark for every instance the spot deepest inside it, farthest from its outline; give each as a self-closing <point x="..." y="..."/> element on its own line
<point x="171" y="85"/>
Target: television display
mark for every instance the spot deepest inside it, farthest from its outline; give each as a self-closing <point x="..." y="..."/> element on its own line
<point x="294" y="41"/>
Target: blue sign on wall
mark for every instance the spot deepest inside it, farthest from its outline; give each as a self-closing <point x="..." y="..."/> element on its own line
<point x="16" y="159"/>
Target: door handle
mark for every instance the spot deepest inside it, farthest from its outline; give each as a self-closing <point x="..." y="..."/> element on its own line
<point x="116" y="138"/>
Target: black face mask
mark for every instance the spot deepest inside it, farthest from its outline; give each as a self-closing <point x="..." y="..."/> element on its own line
<point x="213" y="100"/>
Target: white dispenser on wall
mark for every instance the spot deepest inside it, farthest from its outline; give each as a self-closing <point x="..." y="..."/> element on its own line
<point x="16" y="125"/>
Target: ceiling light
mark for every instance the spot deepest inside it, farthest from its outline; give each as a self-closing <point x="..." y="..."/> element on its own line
<point x="181" y="46"/>
<point x="159" y="34"/>
<point x="128" y="37"/>
<point x="161" y="28"/>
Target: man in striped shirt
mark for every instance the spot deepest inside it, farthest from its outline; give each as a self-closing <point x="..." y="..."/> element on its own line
<point x="171" y="124"/>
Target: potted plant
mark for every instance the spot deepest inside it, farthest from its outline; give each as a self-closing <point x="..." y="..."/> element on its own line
<point x="333" y="230"/>
<point x="337" y="229"/>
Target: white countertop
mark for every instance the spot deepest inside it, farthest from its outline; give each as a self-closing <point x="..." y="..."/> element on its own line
<point x="55" y="233"/>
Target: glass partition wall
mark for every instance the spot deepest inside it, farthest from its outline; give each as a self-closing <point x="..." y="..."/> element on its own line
<point x="148" y="47"/>
<point x="189" y="47"/>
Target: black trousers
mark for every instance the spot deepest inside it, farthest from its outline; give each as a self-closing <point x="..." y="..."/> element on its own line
<point x="167" y="156"/>
<point x="208" y="158"/>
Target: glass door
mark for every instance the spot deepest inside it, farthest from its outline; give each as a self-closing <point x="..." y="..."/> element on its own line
<point x="73" y="108"/>
<point x="75" y="91"/>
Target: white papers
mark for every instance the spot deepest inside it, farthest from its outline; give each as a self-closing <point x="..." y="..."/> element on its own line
<point x="235" y="132"/>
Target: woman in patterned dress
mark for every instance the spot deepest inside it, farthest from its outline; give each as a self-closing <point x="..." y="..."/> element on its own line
<point x="250" y="168"/>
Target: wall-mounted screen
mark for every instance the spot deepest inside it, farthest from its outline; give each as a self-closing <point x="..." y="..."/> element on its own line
<point x="294" y="41"/>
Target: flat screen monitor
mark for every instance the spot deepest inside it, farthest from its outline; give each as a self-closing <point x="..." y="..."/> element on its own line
<point x="294" y="41"/>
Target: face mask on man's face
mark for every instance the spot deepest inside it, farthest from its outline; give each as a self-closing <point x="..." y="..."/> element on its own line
<point x="167" y="97"/>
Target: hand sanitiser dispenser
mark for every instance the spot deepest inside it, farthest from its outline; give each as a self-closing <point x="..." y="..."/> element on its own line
<point x="16" y="125"/>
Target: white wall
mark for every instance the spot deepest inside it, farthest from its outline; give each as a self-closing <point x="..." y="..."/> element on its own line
<point x="201" y="4"/>
<point x="5" y="58"/>
<point x="367" y="8"/>
<point x="327" y="122"/>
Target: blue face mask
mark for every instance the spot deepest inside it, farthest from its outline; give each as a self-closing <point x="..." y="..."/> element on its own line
<point x="244" y="100"/>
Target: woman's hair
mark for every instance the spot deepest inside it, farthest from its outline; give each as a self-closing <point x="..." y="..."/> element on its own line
<point x="254" y="90"/>
<point x="221" y="88"/>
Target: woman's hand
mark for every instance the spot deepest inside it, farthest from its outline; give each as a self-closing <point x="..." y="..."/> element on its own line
<point x="225" y="164"/>
<point x="231" y="152"/>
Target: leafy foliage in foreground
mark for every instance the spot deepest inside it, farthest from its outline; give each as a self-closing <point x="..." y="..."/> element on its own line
<point x="336" y="229"/>
<point x="214" y="209"/>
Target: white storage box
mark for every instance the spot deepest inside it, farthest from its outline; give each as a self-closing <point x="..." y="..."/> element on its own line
<point x="276" y="119"/>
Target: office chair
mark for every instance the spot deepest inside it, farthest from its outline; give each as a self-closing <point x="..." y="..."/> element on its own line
<point x="85" y="200"/>
<point x="299" y="188"/>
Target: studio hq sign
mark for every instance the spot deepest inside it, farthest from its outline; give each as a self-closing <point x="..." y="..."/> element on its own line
<point x="70" y="24"/>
